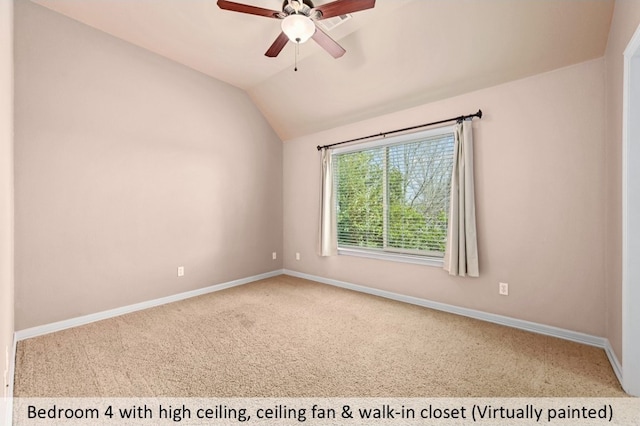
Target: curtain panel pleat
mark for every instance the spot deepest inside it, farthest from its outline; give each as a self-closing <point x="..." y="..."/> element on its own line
<point x="328" y="223"/>
<point x="461" y="253"/>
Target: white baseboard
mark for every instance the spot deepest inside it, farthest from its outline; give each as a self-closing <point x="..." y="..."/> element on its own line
<point x="613" y="359"/>
<point x="547" y="330"/>
<point x="86" y="319"/>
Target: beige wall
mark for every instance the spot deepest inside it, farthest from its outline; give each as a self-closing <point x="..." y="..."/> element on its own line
<point x="128" y="165"/>
<point x="626" y="19"/>
<point x="540" y="202"/>
<point x="6" y="191"/>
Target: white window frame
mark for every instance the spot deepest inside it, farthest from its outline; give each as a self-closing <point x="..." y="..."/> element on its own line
<point x="389" y="254"/>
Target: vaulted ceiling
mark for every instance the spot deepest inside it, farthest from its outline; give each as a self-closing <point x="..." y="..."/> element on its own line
<point x="400" y="54"/>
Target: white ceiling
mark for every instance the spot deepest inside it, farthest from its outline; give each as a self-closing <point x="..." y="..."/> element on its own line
<point x="400" y="54"/>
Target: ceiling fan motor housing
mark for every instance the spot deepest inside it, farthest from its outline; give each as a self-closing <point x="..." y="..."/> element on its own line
<point x="297" y="7"/>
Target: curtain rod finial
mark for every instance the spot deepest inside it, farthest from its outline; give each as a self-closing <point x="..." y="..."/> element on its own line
<point x="479" y="113"/>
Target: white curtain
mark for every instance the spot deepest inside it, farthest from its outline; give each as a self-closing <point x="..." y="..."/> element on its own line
<point x="461" y="253"/>
<point x="328" y="226"/>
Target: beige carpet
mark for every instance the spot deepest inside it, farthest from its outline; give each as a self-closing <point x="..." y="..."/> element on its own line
<point x="290" y="337"/>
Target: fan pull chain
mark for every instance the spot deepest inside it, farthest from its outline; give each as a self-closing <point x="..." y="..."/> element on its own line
<point x="296" y="54"/>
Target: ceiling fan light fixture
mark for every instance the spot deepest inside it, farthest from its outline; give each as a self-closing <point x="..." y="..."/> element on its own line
<point x="298" y="28"/>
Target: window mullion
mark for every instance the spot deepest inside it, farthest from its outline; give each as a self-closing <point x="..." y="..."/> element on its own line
<point x="385" y="198"/>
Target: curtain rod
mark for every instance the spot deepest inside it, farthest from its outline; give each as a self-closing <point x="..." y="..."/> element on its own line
<point x="459" y="118"/>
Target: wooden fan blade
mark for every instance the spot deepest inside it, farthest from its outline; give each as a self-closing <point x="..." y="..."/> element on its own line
<point x="327" y="43"/>
<point x="277" y="46"/>
<point x="342" y="7"/>
<point x="245" y="8"/>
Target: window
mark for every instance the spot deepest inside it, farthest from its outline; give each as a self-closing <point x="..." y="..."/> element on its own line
<point x="392" y="196"/>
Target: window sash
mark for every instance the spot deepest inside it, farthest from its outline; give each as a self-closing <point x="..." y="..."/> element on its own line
<point x="393" y="194"/>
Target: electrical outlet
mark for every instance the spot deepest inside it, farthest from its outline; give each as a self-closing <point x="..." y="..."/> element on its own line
<point x="274" y="255"/>
<point x="297" y="256"/>
<point x="181" y="271"/>
<point x="504" y="289"/>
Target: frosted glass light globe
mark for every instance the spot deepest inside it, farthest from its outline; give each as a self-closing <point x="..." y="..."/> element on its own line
<point x="298" y="28"/>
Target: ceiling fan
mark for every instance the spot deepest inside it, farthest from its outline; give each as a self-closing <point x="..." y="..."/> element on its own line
<point x="298" y="21"/>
